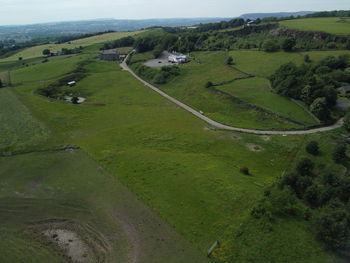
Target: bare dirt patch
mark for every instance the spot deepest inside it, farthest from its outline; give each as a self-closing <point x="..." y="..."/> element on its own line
<point x="254" y="148"/>
<point x="266" y="138"/>
<point x="69" y="242"/>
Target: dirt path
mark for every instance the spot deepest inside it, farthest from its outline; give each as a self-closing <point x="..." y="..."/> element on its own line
<point x="221" y="126"/>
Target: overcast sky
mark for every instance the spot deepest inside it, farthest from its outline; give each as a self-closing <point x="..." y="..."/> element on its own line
<point x="38" y="11"/>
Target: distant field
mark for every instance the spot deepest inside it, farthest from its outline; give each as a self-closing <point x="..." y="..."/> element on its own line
<point x="333" y="25"/>
<point x="46" y="71"/>
<point x="318" y="55"/>
<point x="37" y="50"/>
<point x="263" y="64"/>
<point x="257" y="91"/>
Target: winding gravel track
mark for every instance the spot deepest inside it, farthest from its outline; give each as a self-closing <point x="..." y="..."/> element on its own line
<point x="221" y="126"/>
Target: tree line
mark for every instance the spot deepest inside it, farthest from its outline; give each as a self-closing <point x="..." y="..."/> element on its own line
<point x="314" y="83"/>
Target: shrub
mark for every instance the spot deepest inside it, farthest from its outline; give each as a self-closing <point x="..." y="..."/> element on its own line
<point x="1" y="85"/>
<point x="312" y="195"/>
<point x="332" y="226"/>
<point x="208" y="84"/>
<point x="304" y="167"/>
<point x="339" y="153"/>
<point x="312" y="148"/>
<point x="288" y="44"/>
<point x="347" y="121"/>
<point x="245" y="170"/>
<point x="270" y="46"/>
<point x="229" y="61"/>
<point x="307" y="59"/>
<point x="75" y="100"/>
<point x="159" y="78"/>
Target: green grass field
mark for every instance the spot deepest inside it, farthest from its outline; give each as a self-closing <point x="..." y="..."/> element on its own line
<point x="332" y="25"/>
<point x="189" y="88"/>
<point x="157" y="149"/>
<point x="36" y="51"/>
<point x="150" y="179"/>
<point x="18" y="128"/>
<point x="257" y="91"/>
<point x="263" y="64"/>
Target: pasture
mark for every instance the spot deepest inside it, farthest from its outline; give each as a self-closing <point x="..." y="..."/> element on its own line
<point x="157" y="149"/>
<point x="189" y="87"/>
<point x="19" y="129"/>
<point x="332" y="25"/>
<point x="263" y="64"/>
<point x="185" y="172"/>
<point x="257" y="91"/>
<point x="36" y="51"/>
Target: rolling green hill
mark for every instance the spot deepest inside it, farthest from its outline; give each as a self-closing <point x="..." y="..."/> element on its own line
<point x="332" y="25"/>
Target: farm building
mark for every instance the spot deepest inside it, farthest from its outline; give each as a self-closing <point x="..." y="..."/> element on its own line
<point x="109" y="55"/>
<point x="345" y="90"/>
<point x="71" y="83"/>
<point x="177" y="58"/>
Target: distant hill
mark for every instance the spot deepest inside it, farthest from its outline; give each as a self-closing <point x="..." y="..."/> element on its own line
<point x="27" y="32"/>
<point x="281" y="14"/>
<point x="23" y="33"/>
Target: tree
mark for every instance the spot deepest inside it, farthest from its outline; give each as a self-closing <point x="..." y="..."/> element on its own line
<point x="229" y="61"/>
<point x="305" y="166"/>
<point x="312" y="195"/>
<point x="159" y="78"/>
<point x="46" y="52"/>
<point x="75" y="100"/>
<point x="312" y="148"/>
<point x="270" y="46"/>
<point x="332" y="226"/>
<point x="158" y="50"/>
<point x="307" y="58"/>
<point x="288" y="44"/>
<point x="1" y="85"/>
<point x="347" y="45"/>
<point x="245" y="170"/>
<point x="20" y="58"/>
<point x="208" y="84"/>
<point x="347" y="121"/>
<point x="320" y="109"/>
<point x="339" y="153"/>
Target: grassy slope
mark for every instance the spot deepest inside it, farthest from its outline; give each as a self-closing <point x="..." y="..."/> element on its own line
<point x="187" y="173"/>
<point x="76" y="188"/>
<point x="257" y="91"/>
<point x="333" y="25"/>
<point x="36" y="51"/>
<point x="210" y="66"/>
<point x="263" y="64"/>
<point x="18" y="128"/>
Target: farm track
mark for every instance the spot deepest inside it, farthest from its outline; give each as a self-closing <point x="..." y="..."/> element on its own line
<point x="221" y="126"/>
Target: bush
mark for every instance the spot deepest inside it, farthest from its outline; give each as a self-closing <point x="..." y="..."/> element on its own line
<point x="347" y="121"/>
<point x="245" y="170"/>
<point x="312" y="148"/>
<point x="270" y="46"/>
<point x="305" y="166"/>
<point x="332" y="226"/>
<point x="159" y="78"/>
<point x="208" y="84"/>
<point x="229" y="61"/>
<point x="75" y="100"/>
<point x="339" y="153"/>
<point x="288" y="44"/>
<point x="307" y="59"/>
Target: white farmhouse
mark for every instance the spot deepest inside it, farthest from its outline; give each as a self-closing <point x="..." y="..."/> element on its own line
<point x="177" y="58"/>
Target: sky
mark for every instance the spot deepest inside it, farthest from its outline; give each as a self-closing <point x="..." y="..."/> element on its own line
<point x="13" y="12"/>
